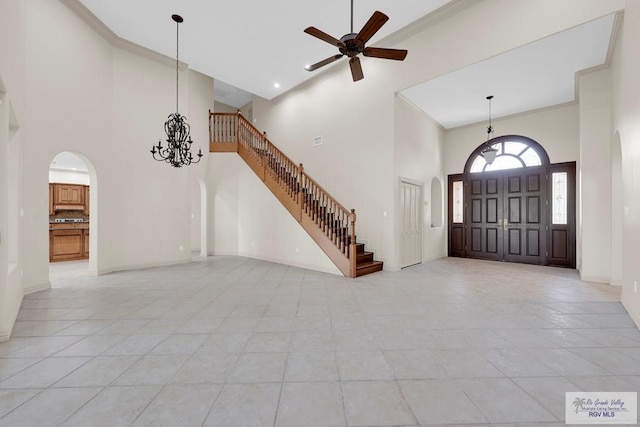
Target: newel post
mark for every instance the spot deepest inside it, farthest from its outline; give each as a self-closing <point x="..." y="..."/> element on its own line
<point x="300" y="194"/>
<point x="353" y="257"/>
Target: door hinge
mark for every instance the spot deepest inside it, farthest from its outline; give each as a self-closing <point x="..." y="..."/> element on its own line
<point x="547" y="227"/>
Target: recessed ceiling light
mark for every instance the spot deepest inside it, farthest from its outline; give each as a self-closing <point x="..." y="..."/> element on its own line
<point x="276" y="85"/>
<point x="306" y="67"/>
<point x="74" y="169"/>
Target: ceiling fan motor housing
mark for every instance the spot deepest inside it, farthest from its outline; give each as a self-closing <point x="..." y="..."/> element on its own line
<point x="352" y="46"/>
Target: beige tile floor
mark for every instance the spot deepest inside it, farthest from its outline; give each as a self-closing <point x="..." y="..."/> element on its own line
<point x="227" y="341"/>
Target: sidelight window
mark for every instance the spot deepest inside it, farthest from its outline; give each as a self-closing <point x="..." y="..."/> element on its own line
<point x="458" y="202"/>
<point x="559" y="198"/>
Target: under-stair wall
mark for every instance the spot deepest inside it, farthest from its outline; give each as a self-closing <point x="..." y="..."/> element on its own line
<point x="328" y="223"/>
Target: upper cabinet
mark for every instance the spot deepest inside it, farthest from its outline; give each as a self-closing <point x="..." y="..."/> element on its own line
<point x="68" y="197"/>
<point x="51" y="210"/>
<point x="86" y="199"/>
<point x="69" y="194"/>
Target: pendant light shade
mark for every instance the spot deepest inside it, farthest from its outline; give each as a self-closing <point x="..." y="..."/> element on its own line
<point x="489" y="153"/>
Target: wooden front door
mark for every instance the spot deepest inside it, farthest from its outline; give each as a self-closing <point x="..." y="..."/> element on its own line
<point x="508" y="216"/>
<point x="484" y="206"/>
<point x="525" y="215"/>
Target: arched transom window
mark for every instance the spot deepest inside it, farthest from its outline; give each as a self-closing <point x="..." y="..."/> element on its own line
<point x="514" y="151"/>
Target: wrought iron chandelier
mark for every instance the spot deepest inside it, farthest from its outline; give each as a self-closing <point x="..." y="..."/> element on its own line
<point x="178" y="150"/>
<point x="489" y="153"/>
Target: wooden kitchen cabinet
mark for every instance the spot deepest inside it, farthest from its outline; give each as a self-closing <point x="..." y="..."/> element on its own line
<point x="69" y="194"/>
<point x="68" y="241"/>
<point x="51" y="211"/>
<point x="66" y="245"/>
<point x="85" y="243"/>
<point x="86" y="199"/>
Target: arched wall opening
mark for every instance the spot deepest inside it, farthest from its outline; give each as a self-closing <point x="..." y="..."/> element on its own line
<point x="617" y="210"/>
<point x="436" y="203"/>
<point x="73" y="210"/>
<point x="203" y="219"/>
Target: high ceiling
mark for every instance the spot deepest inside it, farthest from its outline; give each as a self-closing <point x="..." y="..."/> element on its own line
<point x="537" y="75"/>
<point x="251" y="45"/>
<point x="259" y="47"/>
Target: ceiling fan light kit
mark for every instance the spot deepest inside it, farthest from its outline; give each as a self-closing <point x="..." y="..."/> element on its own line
<point x="353" y="44"/>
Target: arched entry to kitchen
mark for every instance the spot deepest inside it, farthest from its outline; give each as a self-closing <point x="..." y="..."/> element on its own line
<point x="73" y="211"/>
<point x="520" y="208"/>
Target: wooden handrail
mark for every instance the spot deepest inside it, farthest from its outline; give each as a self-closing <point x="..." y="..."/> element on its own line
<point x="329" y="223"/>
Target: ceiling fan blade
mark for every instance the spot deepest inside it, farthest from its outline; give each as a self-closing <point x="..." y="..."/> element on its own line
<point x="324" y="62"/>
<point x="372" y="26"/>
<point x="313" y="31"/>
<point x="356" y="69"/>
<point x="378" y="52"/>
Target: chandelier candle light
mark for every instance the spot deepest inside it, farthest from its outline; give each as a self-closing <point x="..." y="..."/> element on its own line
<point x="178" y="150"/>
<point x="489" y="153"/>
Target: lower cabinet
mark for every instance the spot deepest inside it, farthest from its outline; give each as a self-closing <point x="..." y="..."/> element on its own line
<point x="68" y="244"/>
<point x="85" y="243"/>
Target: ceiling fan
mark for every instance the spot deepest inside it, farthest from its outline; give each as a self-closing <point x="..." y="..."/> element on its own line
<point x="353" y="44"/>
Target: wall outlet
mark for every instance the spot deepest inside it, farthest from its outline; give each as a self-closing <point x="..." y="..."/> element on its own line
<point x="635" y="286"/>
<point x="297" y="250"/>
<point x="181" y="248"/>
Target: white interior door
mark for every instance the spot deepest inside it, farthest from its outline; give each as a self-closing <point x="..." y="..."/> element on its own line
<point x="410" y="223"/>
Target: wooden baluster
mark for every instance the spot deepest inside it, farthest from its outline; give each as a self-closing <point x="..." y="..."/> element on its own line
<point x="300" y="198"/>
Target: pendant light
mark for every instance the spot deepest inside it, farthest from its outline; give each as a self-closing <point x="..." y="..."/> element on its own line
<point x="178" y="150"/>
<point x="489" y="153"/>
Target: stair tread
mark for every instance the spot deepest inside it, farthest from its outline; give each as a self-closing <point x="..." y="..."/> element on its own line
<point x="369" y="264"/>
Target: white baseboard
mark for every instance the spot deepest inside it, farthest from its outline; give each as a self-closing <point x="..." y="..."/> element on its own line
<point x="595" y="279"/>
<point x="37" y="288"/>
<point x="635" y="315"/>
<point x="321" y="269"/>
<point x="140" y="266"/>
<point x="435" y="257"/>
<point x="6" y="334"/>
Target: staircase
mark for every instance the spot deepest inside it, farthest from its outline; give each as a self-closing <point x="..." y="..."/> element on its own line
<point x="328" y="223"/>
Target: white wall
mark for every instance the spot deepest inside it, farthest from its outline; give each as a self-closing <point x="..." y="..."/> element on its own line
<point x="69" y="177"/>
<point x="248" y="220"/>
<point x="556" y="129"/>
<point x="118" y="101"/>
<point x="626" y="111"/>
<point x="12" y="63"/>
<point x="357" y="119"/>
<point x="418" y="156"/>
<point x="595" y="176"/>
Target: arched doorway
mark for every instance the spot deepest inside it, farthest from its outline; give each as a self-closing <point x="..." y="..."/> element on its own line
<point x="617" y="211"/>
<point x="73" y="214"/>
<point x="520" y="208"/>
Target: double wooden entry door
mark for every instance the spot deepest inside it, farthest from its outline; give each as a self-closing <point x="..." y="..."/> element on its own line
<point x="506" y="216"/>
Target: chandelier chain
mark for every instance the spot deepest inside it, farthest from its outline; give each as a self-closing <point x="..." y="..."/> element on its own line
<point x="177" y="62"/>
